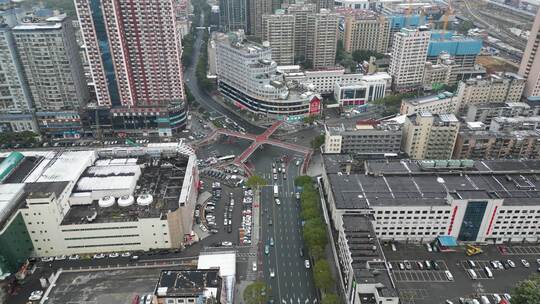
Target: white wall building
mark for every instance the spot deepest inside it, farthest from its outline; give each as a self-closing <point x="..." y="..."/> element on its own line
<point x="441" y="103"/>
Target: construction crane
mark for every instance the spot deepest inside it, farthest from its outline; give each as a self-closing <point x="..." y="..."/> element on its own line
<point x="449" y="11"/>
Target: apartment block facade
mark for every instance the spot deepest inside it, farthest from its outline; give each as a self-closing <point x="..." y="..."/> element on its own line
<point x="530" y="63"/>
<point x="322" y="36"/>
<point x="257" y="9"/>
<point x="367" y="138"/>
<point x="507" y="87"/>
<point x="409" y="57"/>
<point x="366" y="31"/>
<point x="233" y="15"/>
<point x="52" y="65"/>
<point x="278" y="31"/>
<point x="134" y="51"/>
<point x="430" y="136"/>
<point x="301" y="11"/>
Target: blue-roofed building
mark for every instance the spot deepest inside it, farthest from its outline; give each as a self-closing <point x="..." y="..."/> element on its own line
<point x="463" y="49"/>
<point x="397" y="22"/>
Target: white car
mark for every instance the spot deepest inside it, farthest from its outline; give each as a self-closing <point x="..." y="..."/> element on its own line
<point x="307" y="264"/>
<point x="278" y="202"/>
<point x="35" y="295"/>
<point x="203" y="228"/>
<point x="74" y="257"/>
<point x="47" y="259"/>
<point x="428" y="246"/>
<point x="275" y="176"/>
<point x="99" y="256"/>
<point x="254" y="267"/>
<point x="525" y="263"/>
<point x="114" y="255"/>
<point x="125" y="254"/>
<point x="226" y="244"/>
<point x="60" y="257"/>
<point x="272" y="273"/>
<point x="511" y="263"/>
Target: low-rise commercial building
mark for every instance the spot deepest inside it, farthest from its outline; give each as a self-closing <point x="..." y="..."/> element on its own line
<point x="438" y="74"/>
<point x="490" y="201"/>
<point x="188" y="286"/>
<point x="429" y="136"/>
<point x="515" y="123"/>
<point x="367" y="138"/>
<point x="441" y="103"/>
<point x="120" y="199"/>
<point x="354" y="94"/>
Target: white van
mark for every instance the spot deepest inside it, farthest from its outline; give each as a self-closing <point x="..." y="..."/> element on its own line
<point x="472" y="274"/>
<point x="449" y="275"/>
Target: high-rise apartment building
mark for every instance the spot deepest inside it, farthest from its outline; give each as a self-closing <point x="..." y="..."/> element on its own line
<point x="278" y="31"/>
<point x="530" y="63"/>
<point x="324" y="4"/>
<point x="233" y="14"/>
<point x="409" y="58"/>
<point x="429" y="136"/>
<point x="258" y="8"/>
<point x="322" y="36"/>
<point x="15" y="99"/>
<point x="507" y="87"/>
<point x="14" y="93"/>
<point x="50" y="59"/>
<point x="366" y="30"/>
<point x="134" y="50"/>
<point x="301" y="11"/>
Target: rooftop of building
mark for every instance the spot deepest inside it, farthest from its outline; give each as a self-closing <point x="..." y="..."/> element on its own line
<point x="51" y="23"/>
<point x="427" y="99"/>
<point x="358" y="14"/>
<point x="437" y="118"/>
<point x="161" y="178"/>
<point x="493" y="78"/>
<point x="428" y="183"/>
<point x="189" y="283"/>
<point x="363" y="126"/>
<point x="367" y="257"/>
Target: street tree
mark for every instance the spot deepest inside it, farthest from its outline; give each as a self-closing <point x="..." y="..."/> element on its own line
<point x="303" y="180"/>
<point x="322" y="275"/>
<point x="255" y="181"/>
<point x="256" y="293"/>
<point x="317" y="142"/>
<point x="527" y="291"/>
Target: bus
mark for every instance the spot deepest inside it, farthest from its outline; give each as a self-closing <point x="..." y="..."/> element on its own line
<point x="226" y="158"/>
<point x="276" y="191"/>
<point x="472" y="274"/>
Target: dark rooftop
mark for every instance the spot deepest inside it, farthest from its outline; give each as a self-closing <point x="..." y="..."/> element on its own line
<point x="396" y="183"/>
<point x="43" y="190"/>
<point x="23" y="169"/>
<point x="162" y="179"/>
<point x="367" y="257"/>
<point x="188" y="283"/>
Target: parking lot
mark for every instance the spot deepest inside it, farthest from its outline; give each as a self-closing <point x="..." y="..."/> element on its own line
<point x="419" y="273"/>
<point x="520" y="250"/>
<point x="422" y="286"/>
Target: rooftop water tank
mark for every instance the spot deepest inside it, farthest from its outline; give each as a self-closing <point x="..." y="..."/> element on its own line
<point x="145" y="199"/>
<point x="126" y="200"/>
<point x="106" y="201"/>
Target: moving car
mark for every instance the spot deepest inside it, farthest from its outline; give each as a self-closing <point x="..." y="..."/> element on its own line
<point x="272" y="273"/>
<point x="254" y="267"/>
<point x="266" y="249"/>
<point x="307" y="264"/>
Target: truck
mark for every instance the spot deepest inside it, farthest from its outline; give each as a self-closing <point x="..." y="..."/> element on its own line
<point x="276" y="191"/>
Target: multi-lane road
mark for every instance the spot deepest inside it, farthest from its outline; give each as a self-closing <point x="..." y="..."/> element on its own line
<point x="293" y="282"/>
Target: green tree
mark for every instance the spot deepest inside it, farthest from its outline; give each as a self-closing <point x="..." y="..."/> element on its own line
<point x="303" y="180"/>
<point x="363" y="55"/>
<point x="256" y="293"/>
<point x="330" y="298"/>
<point x="322" y="275"/>
<point x="255" y="181"/>
<point x="317" y="142"/>
<point x="309" y="119"/>
<point x="527" y="291"/>
<point x="465" y="26"/>
<point x="317" y="252"/>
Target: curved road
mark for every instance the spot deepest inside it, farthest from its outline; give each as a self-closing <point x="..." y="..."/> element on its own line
<point x="204" y="99"/>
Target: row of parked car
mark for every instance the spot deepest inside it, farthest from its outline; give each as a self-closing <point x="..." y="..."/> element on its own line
<point x="95" y="256"/>
<point x="420" y="265"/>
<point x="485" y="299"/>
<point x="209" y="210"/>
<point x="246" y="227"/>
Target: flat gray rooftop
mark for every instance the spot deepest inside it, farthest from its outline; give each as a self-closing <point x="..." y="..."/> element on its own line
<point x="103" y="287"/>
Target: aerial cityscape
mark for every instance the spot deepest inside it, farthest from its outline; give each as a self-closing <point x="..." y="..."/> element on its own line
<point x="270" y="151"/>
